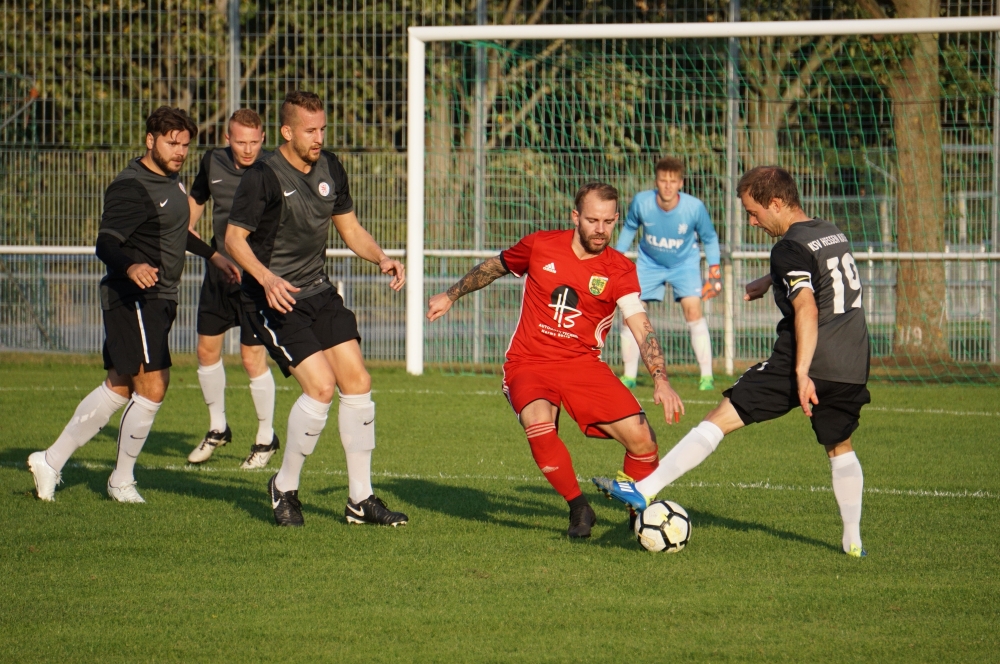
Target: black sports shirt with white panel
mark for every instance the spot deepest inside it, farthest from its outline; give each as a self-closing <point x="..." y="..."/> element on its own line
<point x="148" y="213"/>
<point x="814" y="254"/>
<point x="288" y="215"/>
<point x="218" y="178"/>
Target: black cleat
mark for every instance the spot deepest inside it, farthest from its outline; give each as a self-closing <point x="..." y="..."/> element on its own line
<point x="286" y="505"/>
<point x="261" y="454"/>
<point x="373" y="510"/>
<point x="207" y="446"/>
<point x="581" y="520"/>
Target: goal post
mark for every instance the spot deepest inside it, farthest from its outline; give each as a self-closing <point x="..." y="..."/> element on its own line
<point x="904" y="264"/>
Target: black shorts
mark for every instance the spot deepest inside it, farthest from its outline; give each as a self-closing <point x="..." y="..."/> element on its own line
<point x="766" y="392"/>
<point x="135" y="335"/>
<point x="314" y="324"/>
<point x="220" y="308"/>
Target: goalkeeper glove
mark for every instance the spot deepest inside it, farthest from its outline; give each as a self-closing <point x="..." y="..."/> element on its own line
<point x="713" y="285"/>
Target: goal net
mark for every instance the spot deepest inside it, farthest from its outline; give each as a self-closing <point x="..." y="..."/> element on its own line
<point x="890" y="136"/>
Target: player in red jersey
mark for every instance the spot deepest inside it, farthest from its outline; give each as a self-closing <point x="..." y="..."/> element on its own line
<point x="574" y="281"/>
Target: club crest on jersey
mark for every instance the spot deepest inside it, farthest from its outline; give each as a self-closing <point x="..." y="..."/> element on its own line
<point x="682" y="228"/>
<point x="324" y="189"/>
<point x="597" y="284"/>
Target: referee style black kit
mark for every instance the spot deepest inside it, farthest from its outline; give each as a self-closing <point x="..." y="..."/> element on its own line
<point x="815" y="255"/>
<point x="219" y="305"/>
<point x="288" y="214"/>
<point x="145" y="220"/>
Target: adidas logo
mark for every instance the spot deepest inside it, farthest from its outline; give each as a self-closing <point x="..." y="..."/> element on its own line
<point x="551" y="267"/>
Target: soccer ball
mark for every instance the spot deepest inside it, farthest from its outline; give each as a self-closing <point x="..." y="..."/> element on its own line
<point x="663" y="526"/>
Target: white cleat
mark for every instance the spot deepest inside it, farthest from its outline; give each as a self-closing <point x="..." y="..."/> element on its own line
<point x="46" y="477"/>
<point x="260" y="455"/>
<point x="126" y="493"/>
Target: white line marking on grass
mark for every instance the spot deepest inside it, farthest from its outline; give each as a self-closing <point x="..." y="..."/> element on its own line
<point x="498" y="393"/>
<point x="746" y="486"/>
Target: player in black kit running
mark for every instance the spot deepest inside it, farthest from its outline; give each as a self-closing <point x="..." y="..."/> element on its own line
<point x="819" y="363"/>
<point x="278" y="231"/>
<point x="142" y="239"/>
<point x="219" y="305"/>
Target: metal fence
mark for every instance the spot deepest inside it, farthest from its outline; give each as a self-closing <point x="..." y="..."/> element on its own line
<point x="78" y="80"/>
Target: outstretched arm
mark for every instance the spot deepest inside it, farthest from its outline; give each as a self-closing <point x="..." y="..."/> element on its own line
<point x="652" y="357"/>
<point x="478" y="277"/>
<point x="364" y="245"/>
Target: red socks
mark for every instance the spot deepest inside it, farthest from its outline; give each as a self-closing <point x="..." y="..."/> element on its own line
<point x="553" y="459"/>
<point x="639" y="467"/>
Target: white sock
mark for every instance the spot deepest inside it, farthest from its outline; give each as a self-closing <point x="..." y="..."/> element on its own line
<point x="262" y="391"/>
<point x="213" y="388"/>
<point x="305" y="423"/>
<point x="848" y="484"/>
<point x="701" y="343"/>
<point x="137" y="420"/>
<point x="630" y="353"/>
<point x="89" y="418"/>
<point x="685" y="455"/>
<point x="357" y="433"/>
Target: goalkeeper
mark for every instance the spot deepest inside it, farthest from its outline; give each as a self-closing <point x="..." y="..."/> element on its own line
<point x="668" y="253"/>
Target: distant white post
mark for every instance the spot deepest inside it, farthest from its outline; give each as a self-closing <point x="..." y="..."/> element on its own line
<point x="415" y="208"/>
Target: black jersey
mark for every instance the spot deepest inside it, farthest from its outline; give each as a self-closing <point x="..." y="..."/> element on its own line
<point x="814" y="254"/>
<point x="218" y="178"/>
<point x="288" y="215"/>
<point x="148" y="213"/>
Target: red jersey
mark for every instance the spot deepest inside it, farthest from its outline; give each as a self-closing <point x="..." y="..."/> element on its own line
<point x="568" y="303"/>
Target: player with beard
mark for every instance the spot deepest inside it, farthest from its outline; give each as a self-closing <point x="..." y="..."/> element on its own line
<point x="278" y="230"/>
<point x="820" y="360"/>
<point x="142" y="239"/>
<point x="220" y="307"/>
<point x="573" y="283"/>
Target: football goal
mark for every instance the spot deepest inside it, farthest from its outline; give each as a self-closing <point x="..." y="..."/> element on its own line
<point x="890" y="128"/>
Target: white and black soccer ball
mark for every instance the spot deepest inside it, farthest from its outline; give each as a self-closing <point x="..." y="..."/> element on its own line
<point x="663" y="526"/>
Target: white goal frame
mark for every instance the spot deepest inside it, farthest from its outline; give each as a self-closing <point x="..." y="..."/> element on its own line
<point x="416" y="117"/>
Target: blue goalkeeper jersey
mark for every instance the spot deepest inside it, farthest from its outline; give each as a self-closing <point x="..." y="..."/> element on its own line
<point x="670" y="238"/>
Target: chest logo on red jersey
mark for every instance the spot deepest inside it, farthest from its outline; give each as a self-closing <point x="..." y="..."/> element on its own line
<point x="597" y="284"/>
<point x="564" y="300"/>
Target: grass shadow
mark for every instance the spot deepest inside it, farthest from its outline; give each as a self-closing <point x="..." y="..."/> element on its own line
<point x="703" y="519"/>
<point x="475" y="504"/>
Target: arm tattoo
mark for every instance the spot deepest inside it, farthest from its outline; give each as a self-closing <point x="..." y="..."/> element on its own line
<point x="652" y="354"/>
<point x="478" y="277"/>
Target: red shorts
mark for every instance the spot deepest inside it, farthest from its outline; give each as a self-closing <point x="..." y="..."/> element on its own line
<point x="587" y="388"/>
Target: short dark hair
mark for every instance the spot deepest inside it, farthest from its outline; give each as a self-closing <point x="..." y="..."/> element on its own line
<point x="671" y="165"/>
<point x="765" y="183"/>
<point x="604" y="191"/>
<point x="166" y="120"/>
<point x="246" y="117"/>
<point x="307" y="100"/>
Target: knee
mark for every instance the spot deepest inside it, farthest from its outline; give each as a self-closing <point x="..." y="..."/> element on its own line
<point x="323" y="391"/>
<point x="359" y="382"/>
<point x="643" y="442"/>
<point x="254" y="362"/>
<point x="207" y="356"/>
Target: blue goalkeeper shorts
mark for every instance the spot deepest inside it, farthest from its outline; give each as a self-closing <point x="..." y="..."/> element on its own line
<point x="653" y="277"/>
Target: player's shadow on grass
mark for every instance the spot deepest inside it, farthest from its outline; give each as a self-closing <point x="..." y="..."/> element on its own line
<point x="707" y="519"/>
<point x="477" y="505"/>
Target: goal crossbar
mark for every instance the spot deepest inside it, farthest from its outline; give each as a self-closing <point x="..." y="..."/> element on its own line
<point x="418" y="37"/>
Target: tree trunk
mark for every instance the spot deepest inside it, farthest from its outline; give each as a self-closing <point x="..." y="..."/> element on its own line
<point x="920" y="332"/>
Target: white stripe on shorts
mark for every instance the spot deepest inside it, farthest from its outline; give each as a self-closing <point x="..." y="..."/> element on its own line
<point x="275" y="338"/>
<point x="142" y="331"/>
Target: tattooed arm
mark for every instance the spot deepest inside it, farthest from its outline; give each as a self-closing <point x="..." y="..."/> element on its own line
<point x="652" y="356"/>
<point x="478" y="277"/>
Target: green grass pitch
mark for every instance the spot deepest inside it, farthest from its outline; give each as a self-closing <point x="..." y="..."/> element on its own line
<point x="484" y="571"/>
